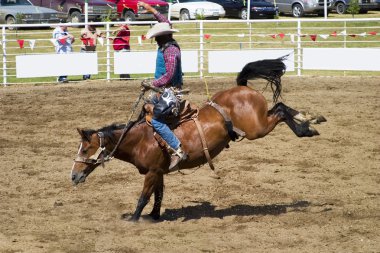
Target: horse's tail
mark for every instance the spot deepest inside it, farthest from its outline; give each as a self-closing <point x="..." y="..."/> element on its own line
<point x="270" y="70"/>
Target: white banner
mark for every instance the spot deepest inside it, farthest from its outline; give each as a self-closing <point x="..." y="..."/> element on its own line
<point x="56" y="64"/>
<point x="234" y="61"/>
<point x="366" y="59"/>
<point x="145" y="62"/>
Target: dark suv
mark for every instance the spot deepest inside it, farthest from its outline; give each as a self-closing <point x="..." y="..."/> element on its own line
<point x="98" y="10"/>
<point x="237" y="8"/>
<point x="340" y="6"/>
<point x="298" y="8"/>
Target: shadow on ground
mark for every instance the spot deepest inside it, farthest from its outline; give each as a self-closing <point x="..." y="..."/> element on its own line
<point x="206" y="209"/>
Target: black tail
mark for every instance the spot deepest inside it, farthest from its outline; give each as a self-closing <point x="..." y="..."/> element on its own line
<point x="270" y="70"/>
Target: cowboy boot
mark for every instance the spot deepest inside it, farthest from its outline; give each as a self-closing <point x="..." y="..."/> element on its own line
<point x="177" y="157"/>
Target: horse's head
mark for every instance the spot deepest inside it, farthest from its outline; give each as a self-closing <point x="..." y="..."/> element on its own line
<point x="90" y="155"/>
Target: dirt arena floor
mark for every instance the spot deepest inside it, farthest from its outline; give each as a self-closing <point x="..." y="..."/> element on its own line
<point x="276" y="194"/>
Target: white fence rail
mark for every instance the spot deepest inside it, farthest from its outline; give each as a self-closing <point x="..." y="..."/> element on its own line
<point x="209" y="48"/>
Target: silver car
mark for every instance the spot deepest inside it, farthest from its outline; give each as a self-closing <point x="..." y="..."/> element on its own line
<point x="23" y="12"/>
<point x="298" y="8"/>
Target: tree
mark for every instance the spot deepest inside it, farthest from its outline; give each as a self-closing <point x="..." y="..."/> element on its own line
<point x="354" y="7"/>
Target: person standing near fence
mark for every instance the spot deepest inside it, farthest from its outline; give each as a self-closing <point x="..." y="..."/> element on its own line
<point x="89" y="36"/>
<point x="121" y="42"/>
<point x="63" y="44"/>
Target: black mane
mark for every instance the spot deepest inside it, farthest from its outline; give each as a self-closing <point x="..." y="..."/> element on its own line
<point x="108" y="130"/>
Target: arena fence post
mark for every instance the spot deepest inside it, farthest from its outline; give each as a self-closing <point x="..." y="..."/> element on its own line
<point x="108" y="47"/>
<point x="3" y="36"/>
<point x="299" y="49"/>
<point x="250" y="34"/>
<point x="201" y="53"/>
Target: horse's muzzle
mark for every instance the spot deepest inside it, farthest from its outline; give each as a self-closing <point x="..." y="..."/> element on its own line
<point x="77" y="178"/>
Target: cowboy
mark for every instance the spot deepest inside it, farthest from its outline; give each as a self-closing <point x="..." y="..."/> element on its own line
<point x="168" y="74"/>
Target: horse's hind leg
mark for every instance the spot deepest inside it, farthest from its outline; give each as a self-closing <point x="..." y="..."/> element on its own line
<point x="288" y="114"/>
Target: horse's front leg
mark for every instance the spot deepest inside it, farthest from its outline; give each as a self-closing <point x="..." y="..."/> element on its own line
<point x="158" y="196"/>
<point x="150" y="185"/>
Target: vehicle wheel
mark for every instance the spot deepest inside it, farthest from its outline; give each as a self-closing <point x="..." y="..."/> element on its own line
<point x="341" y="8"/>
<point x="129" y="16"/>
<point x="75" y="17"/>
<point x="10" y="21"/>
<point x="243" y="13"/>
<point x="184" y="15"/>
<point x="297" y="11"/>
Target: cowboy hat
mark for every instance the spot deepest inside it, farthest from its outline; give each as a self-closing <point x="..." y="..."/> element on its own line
<point x="160" y="29"/>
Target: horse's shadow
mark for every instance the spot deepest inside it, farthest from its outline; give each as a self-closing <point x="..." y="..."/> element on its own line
<point x="206" y="209"/>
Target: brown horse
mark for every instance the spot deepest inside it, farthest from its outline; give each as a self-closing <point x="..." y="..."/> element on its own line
<point x="135" y="143"/>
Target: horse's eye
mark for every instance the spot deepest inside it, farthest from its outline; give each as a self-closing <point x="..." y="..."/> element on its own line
<point x="84" y="151"/>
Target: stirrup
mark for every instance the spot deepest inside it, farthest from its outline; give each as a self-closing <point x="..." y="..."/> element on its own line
<point x="177" y="157"/>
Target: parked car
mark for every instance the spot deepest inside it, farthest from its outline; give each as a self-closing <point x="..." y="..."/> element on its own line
<point x="129" y="10"/>
<point x="377" y="3"/>
<point x="98" y="10"/>
<point x="238" y="8"/>
<point x="298" y="8"/>
<point x="340" y="6"/>
<point x="195" y="9"/>
<point x="23" y="12"/>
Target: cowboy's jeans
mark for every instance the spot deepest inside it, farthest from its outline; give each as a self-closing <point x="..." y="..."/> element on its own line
<point x="164" y="131"/>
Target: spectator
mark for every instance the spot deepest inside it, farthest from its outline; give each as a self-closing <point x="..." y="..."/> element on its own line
<point x="121" y="42"/>
<point x="63" y="44"/>
<point x="89" y="36"/>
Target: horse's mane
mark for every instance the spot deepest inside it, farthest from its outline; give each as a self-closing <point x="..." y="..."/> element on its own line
<point x="108" y="130"/>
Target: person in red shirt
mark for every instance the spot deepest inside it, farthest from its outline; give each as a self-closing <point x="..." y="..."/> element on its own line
<point x="121" y="42"/>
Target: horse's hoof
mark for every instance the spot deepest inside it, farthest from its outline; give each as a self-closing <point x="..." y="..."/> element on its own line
<point x="313" y="131"/>
<point x="318" y="119"/>
<point x="128" y="217"/>
<point x="132" y="219"/>
<point x="155" y="216"/>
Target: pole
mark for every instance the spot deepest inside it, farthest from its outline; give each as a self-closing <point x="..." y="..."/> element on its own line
<point x="4" y="58"/>
<point x="108" y="48"/>
<point x="201" y="48"/>
<point x="325" y="8"/>
<point x="169" y="11"/>
<point x="299" y="49"/>
<point x="249" y="10"/>
<point x="86" y="12"/>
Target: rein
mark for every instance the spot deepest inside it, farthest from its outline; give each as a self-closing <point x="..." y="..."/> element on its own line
<point x="98" y="157"/>
<point x="125" y="129"/>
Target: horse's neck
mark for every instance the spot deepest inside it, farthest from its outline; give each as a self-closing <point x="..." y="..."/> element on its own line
<point x="129" y="142"/>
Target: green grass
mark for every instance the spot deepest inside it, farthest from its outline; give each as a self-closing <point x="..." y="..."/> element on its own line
<point x="223" y="36"/>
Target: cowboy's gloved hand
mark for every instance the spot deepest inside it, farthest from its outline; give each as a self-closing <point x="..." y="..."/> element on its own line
<point x="146" y="85"/>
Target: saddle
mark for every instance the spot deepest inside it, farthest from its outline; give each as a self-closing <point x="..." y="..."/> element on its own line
<point x="187" y="112"/>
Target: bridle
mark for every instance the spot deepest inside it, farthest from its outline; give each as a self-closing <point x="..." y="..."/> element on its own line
<point x="99" y="156"/>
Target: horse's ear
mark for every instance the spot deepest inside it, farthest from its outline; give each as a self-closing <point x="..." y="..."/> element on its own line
<point x="81" y="133"/>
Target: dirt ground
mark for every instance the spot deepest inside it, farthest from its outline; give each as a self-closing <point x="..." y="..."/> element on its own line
<point x="280" y="193"/>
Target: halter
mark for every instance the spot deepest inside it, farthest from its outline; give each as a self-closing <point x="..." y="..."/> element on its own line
<point x="95" y="158"/>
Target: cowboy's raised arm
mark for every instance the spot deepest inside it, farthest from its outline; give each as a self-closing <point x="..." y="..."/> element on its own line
<point x="160" y="18"/>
